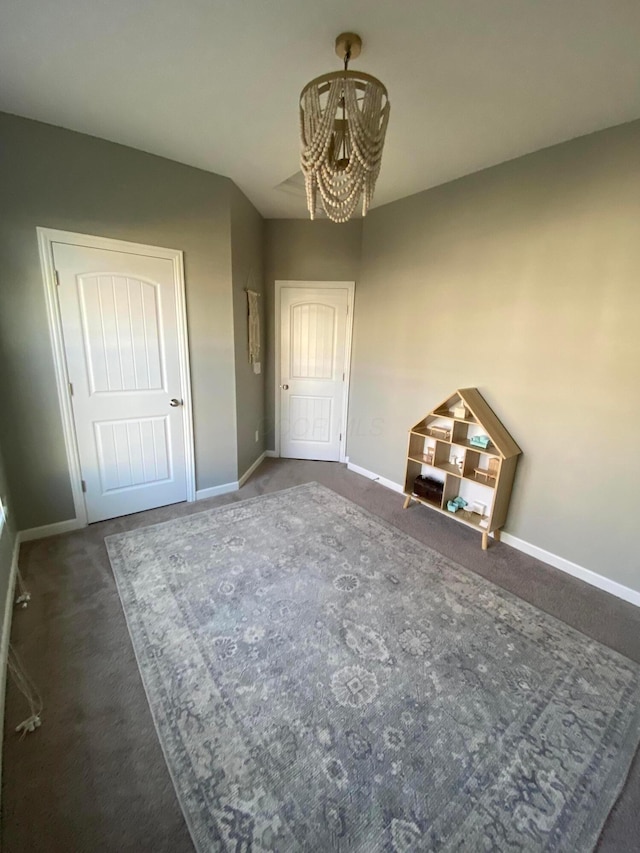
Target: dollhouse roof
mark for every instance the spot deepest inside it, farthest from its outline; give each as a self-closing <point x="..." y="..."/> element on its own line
<point x="484" y="415"/>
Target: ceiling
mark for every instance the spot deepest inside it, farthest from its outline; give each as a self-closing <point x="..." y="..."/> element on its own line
<point x="215" y="83"/>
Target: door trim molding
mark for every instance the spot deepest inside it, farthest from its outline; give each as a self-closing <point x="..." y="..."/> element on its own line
<point x="350" y="286"/>
<point x="48" y="236"/>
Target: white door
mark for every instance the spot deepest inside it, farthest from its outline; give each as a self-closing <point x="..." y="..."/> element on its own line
<point x="120" y="327"/>
<point x="313" y="368"/>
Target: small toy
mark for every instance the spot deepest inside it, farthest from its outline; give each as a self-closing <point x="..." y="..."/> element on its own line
<point x="490" y="473"/>
<point x="479" y="441"/>
<point x="479" y="508"/>
<point x="458" y="461"/>
<point x="456" y="504"/>
<point x="440" y="432"/>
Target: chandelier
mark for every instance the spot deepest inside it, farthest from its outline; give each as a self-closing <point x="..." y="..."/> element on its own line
<point x="343" y="121"/>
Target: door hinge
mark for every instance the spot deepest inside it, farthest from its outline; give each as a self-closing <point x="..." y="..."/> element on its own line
<point x="340" y="436"/>
<point x="57" y="275"/>
<point x="343" y="375"/>
<point x="84" y="486"/>
<point x="71" y="389"/>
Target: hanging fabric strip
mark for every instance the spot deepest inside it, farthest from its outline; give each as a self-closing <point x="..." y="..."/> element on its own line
<point x="254" y="326"/>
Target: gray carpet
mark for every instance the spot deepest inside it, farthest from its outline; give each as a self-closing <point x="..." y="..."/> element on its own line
<point x="94" y="778"/>
<point x="322" y="681"/>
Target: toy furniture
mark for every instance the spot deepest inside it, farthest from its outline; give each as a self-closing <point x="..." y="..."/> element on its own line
<point x="490" y="472"/>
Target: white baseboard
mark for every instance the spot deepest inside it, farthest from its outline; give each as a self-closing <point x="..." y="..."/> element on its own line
<point x="389" y="484"/>
<point x="580" y="572"/>
<point x="50" y="530"/>
<point x="74" y="524"/>
<point x="6" y="632"/>
<point x="214" y="491"/>
<point x="271" y="454"/>
<point x="586" y="575"/>
<point x="251" y="469"/>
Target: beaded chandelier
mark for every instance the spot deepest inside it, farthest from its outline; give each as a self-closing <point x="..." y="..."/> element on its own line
<point x="343" y="121"/>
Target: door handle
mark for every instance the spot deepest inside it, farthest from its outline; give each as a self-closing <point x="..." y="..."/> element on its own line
<point x="285" y="387"/>
<point x="175" y="402"/>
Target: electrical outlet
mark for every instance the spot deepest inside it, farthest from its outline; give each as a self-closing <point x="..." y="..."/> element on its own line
<point x="257" y="435"/>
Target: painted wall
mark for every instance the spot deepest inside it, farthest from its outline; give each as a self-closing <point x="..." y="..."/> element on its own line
<point x="59" y="179"/>
<point x="301" y="250"/>
<point x="247" y="237"/>
<point x="522" y="280"/>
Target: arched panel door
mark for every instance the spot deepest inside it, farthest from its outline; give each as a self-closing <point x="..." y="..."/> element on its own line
<point x="313" y="351"/>
<point x="120" y="326"/>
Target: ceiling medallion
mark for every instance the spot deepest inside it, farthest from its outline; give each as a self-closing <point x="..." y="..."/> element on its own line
<point x="343" y="121"/>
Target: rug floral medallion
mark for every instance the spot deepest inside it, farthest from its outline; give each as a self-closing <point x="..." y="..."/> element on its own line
<point x="321" y="681"/>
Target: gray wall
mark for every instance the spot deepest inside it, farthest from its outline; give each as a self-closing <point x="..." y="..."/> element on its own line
<point x="301" y="250"/>
<point x="247" y="237"/>
<point x="522" y="280"/>
<point x="59" y="179"/>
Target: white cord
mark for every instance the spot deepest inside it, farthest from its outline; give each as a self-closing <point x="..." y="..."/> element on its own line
<point x="19" y="674"/>
<point x="24" y="596"/>
<point x="28" y="689"/>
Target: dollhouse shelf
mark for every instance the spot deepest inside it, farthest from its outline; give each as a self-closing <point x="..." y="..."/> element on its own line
<point x="440" y="448"/>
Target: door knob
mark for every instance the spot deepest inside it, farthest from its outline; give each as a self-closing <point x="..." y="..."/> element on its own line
<point x="285" y="387"/>
<point x="175" y="402"/>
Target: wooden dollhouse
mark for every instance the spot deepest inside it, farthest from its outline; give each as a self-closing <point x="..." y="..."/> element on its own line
<point x="461" y="462"/>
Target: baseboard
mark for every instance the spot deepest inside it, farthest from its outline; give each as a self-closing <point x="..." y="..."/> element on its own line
<point x="214" y="491"/>
<point x="586" y="575"/>
<point x="580" y="572"/>
<point x="50" y="530"/>
<point x="251" y="469"/>
<point x="389" y="484"/>
<point x="6" y="633"/>
<point x="74" y="524"/>
<point x="271" y="454"/>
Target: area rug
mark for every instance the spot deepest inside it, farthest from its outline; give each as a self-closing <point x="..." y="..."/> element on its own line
<point x="322" y="681"/>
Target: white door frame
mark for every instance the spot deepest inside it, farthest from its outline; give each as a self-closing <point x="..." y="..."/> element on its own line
<point x="46" y="238"/>
<point x="350" y="286"/>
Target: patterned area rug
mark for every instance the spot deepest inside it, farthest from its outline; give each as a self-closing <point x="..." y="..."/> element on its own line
<point x="321" y="681"/>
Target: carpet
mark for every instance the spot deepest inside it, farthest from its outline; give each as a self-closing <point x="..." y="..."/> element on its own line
<point x="321" y="681"/>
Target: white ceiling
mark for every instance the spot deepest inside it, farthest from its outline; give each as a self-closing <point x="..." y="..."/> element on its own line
<point x="215" y="83"/>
